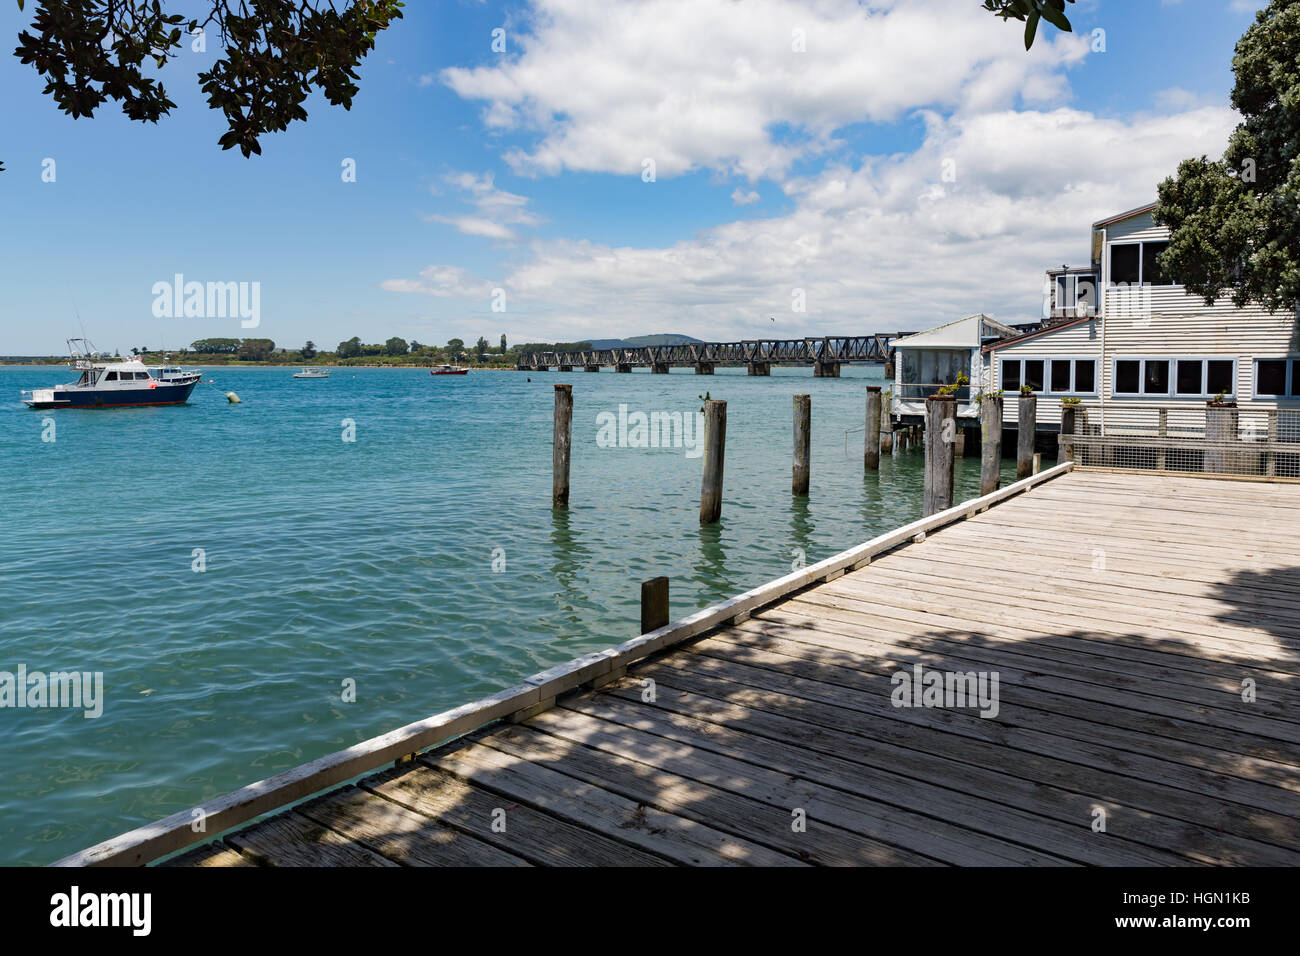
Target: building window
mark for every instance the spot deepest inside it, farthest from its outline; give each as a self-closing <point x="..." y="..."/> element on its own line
<point x="1277" y="378"/>
<point x="1076" y="294"/>
<point x="1126" y="264"/>
<point x="1011" y="374"/>
<point x="1188" y="377"/>
<point x="1137" y="263"/>
<point x="1051" y="376"/>
<point x="1032" y="374"/>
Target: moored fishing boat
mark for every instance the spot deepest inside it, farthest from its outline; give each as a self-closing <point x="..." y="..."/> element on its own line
<point x="113" y="383"/>
<point x="312" y="373"/>
<point x="448" y="370"/>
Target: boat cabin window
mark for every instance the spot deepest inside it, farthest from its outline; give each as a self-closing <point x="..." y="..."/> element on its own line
<point x="111" y="377"/>
<point x="140" y="375"/>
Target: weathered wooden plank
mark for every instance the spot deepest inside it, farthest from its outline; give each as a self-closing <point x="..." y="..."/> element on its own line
<point x="288" y="839"/>
<point x="820" y="790"/>
<point x="764" y="823"/>
<point x="528" y="781"/>
<point x="793" y="745"/>
<point x="401" y="834"/>
<point x="1103" y="778"/>
<point x="541" y="838"/>
<point x="214" y="854"/>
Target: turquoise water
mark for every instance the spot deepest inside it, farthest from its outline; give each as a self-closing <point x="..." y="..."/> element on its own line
<point x="369" y="561"/>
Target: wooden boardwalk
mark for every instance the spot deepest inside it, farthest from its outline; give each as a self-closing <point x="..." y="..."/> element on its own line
<point x="1123" y="615"/>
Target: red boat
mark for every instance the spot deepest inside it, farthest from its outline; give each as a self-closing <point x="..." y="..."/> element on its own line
<point x="448" y="370"/>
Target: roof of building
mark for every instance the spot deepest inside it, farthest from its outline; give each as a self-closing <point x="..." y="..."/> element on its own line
<point x="964" y="333"/>
<point x="1035" y="333"/>
<point x="1109" y="220"/>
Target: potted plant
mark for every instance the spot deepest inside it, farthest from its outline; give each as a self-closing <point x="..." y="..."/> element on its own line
<point x="950" y="390"/>
<point x="1026" y="389"/>
<point x="1218" y="401"/>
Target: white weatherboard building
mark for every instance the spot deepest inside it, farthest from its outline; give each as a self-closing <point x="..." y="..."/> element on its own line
<point x="1120" y="337"/>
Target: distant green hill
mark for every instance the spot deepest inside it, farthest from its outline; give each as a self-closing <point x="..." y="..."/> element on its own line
<point x="666" y="338"/>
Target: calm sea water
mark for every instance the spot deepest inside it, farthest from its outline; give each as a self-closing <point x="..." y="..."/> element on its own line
<point x="369" y="561"/>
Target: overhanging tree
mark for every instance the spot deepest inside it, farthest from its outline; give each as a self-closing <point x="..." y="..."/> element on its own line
<point x="1031" y="12"/>
<point x="273" y="53"/>
<point x="1235" y="221"/>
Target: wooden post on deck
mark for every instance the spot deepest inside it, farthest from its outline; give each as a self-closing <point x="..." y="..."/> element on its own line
<point x="561" y="445"/>
<point x="1069" y="426"/>
<point x="871" y="443"/>
<point x="654" y="604"/>
<point x="940" y="430"/>
<point x="1220" y="426"/>
<point x="1270" y="458"/>
<point x="1026" y="423"/>
<point x="1162" y="431"/>
<point x="990" y="443"/>
<point x="715" y="449"/>
<point x="802" y="443"/>
<point x="887" y="423"/>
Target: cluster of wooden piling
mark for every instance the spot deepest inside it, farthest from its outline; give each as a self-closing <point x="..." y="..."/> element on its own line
<point x="943" y="437"/>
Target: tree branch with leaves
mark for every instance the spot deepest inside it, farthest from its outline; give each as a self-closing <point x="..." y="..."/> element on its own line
<point x="1031" y="12"/>
<point x="273" y="54"/>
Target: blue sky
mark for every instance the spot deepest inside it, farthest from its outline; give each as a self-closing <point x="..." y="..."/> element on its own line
<point x="777" y="170"/>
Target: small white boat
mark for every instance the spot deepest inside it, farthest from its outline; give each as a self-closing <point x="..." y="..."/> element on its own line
<point x="312" y="373"/>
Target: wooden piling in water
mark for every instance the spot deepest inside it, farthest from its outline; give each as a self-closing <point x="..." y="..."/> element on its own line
<point x="802" y="444"/>
<point x="871" y="441"/>
<point x="887" y="423"/>
<point x="561" y="445"/>
<point x="990" y="443"/>
<point x="654" y="604"/>
<point x="940" y="426"/>
<point x="715" y="448"/>
<point x="1027" y="422"/>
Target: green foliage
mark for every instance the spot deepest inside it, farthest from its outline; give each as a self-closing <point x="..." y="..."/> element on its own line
<point x="350" y="349"/>
<point x="308" y="351"/>
<point x="255" y="350"/>
<point x="396" y="346"/>
<point x="456" y="348"/>
<point x="1235" y="221"/>
<point x="1030" y="12"/>
<point x="273" y="52"/>
<point x="503" y="343"/>
<point x="216" y="346"/>
<point x="481" y="347"/>
<point x="1026" y="389"/>
<point x="1071" y="401"/>
<point x="951" y="389"/>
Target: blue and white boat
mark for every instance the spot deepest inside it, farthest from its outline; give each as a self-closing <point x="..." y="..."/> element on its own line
<point x="113" y="383"/>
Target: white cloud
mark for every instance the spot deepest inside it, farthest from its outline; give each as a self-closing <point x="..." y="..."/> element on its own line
<point x="443" y="282"/>
<point x="1247" y="6"/>
<point x="885" y="245"/>
<point x="497" y="210"/>
<point x="706" y="83"/>
<point x="743" y="197"/>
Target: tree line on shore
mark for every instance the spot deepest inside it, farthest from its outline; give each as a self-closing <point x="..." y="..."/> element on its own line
<point x="394" y="351"/>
